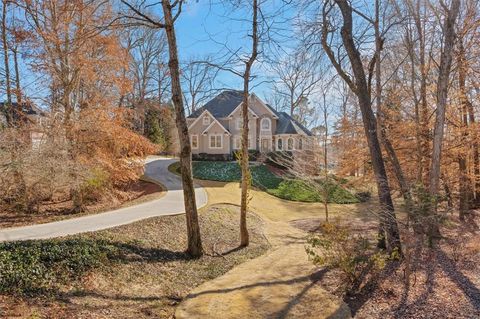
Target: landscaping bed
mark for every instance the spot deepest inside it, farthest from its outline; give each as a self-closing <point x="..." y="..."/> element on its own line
<point x="50" y="211"/>
<point x="265" y="179"/>
<point x="134" y="271"/>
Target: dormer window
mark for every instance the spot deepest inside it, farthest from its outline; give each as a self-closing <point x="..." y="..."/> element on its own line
<point x="266" y="124"/>
<point x="206" y="120"/>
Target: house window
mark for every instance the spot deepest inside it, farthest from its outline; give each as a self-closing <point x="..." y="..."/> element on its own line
<point x="206" y="120"/>
<point x="290" y="144"/>
<point x="279" y="144"/>
<point x="265" y="124"/>
<point x="216" y="141"/>
<point x="194" y="141"/>
<point x="300" y="143"/>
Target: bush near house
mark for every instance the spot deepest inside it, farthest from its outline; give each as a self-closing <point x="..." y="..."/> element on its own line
<point x="263" y="178"/>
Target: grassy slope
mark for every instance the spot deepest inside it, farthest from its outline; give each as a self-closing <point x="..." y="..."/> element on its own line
<point x="294" y="190"/>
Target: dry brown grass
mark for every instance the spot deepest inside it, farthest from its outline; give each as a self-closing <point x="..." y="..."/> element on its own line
<point x="154" y="273"/>
<point x="276" y="209"/>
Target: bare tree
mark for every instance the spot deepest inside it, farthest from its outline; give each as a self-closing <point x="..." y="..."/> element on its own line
<point x="198" y="81"/>
<point x="246" y="177"/>
<point x="359" y="83"/>
<point x="298" y="75"/>
<point x="450" y="17"/>
<point x="6" y="61"/>
<point x="140" y="16"/>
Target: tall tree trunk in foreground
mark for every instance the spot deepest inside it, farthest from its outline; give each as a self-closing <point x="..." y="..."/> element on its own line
<point x="18" y="92"/>
<point x="442" y="91"/>
<point x="464" y="180"/>
<point x="193" y="229"/>
<point x="6" y="63"/>
<point x="246" y="177"/>
<point x="325" y="157"/>
<point x="391" y="154"/>
<point x="390" y="237"/>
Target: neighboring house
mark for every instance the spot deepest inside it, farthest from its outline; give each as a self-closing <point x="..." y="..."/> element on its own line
<point x="215" y="129"/>
<point x="27" y="114"/>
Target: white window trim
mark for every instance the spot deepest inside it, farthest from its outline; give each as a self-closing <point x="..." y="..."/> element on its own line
<point x="191" y="141"/>
<point x="210" y="141"/>
<point x="267" y="120"/>
<point x="293" y="144"/>
<point x="206" y="117"/>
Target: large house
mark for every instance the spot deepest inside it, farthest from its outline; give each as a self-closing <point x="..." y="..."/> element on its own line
<point x="215" y="129"/>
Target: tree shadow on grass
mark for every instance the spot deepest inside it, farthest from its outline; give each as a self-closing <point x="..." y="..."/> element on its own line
<point x="256" y="284"/>
<point x="128" y="252"/>
<point x="314" y="278"/>
<point x="66" y="297"/>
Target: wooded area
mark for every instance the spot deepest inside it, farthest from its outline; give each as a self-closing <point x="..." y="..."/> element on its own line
<point x="390" y="89"/>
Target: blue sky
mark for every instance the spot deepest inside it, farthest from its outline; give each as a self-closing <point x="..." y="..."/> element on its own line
<point x="205" y="27"/>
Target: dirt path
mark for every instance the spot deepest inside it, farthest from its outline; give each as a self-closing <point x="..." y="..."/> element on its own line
<point x="280" y="284"/>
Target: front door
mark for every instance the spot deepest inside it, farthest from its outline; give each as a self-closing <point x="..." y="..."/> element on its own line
<point x="265" y="145"/>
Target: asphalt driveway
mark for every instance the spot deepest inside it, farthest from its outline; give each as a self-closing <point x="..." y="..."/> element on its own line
<point x="170" y="204"/>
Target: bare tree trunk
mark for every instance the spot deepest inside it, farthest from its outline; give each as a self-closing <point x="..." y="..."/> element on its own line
<point x="6" y="63"/>
<point x="390" y="237"/>
<point x="424" y="131"/>
<point x="464" y="180"/>
<point x="18" y="92"/>
<point x="193" y="229"/>
<point x="442" y="91"/>
<point x="325" y="157"/>
<point x="246" y="177"/>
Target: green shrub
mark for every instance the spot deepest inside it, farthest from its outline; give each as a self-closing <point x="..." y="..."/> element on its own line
<point x="296" y="190"/>
<point x="33" y="267"/>
<point x="337" y="194"/>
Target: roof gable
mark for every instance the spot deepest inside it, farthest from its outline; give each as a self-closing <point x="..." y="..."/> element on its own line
<point x="213" y="124"/>
<point x="214" y="121"/>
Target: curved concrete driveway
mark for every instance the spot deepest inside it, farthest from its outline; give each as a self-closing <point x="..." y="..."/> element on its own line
<point x="170" y="204"/>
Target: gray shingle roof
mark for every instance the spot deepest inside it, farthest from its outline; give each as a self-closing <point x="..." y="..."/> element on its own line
<point x="287" y="125"/>
<point x="221" y="105"/>
<point x="224" y="103"/>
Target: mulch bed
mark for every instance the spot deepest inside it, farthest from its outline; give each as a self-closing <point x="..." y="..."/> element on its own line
<point x="58" y="210"/>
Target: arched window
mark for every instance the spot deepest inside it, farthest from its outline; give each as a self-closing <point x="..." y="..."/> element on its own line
<point x="300" y="143"/>
<point x="265" y="124"/>
<point x="279" y="144"/>
<point x="290" y="144"/>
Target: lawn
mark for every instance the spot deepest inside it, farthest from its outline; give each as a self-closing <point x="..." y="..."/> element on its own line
<point x="133" y="271"/>
<point x="263" y="178"/>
